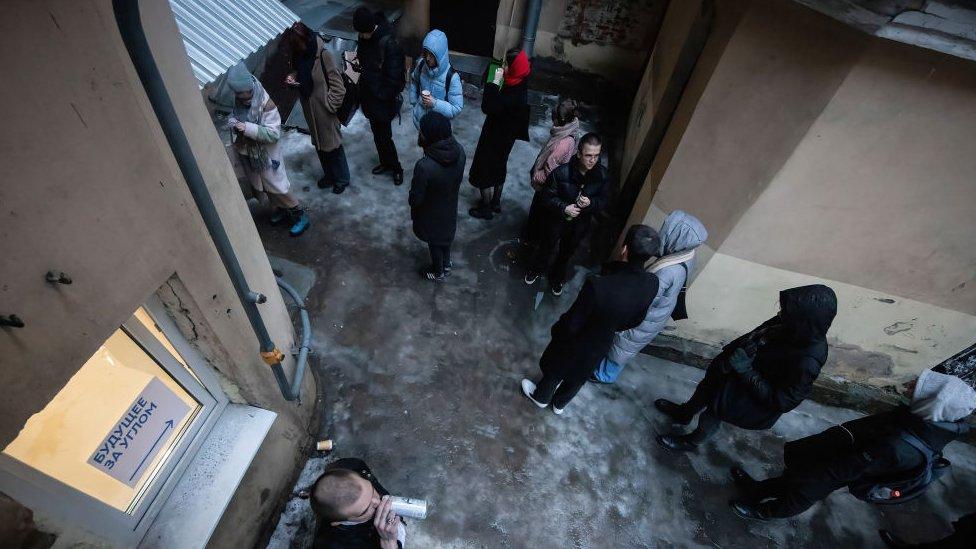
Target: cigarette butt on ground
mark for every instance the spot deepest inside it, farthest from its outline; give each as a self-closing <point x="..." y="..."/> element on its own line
<point x="324" y="445"/>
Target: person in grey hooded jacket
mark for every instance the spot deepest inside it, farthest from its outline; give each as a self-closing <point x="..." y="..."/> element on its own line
<point x="680" y="234"/>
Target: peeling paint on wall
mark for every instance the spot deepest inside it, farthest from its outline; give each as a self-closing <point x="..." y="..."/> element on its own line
<point x="622" y="23"/>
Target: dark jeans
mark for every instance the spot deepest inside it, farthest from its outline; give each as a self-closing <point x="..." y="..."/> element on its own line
<point x="385" y="148"/>
<point x="440" y="257"/>
<point x="335" y="166"/>
<point x="532" y="230"/>
<point x="550" y="390"/>
<point x="705" y="393"/>
<point x="562" y="240"/>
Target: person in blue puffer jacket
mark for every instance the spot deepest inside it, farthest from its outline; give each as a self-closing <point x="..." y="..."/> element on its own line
<point x="431" y="74"/>
<point x="680" y="235"/>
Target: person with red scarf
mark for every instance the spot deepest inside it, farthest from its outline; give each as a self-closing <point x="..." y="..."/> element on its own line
<point x="506" y="109"/>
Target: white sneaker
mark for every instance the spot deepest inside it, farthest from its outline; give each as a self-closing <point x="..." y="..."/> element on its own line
<point x="557" y="411"/>
<point x="527" y="389"/>
<point x="530" y="278"/>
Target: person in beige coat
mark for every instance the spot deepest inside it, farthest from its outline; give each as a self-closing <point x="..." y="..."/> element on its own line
<point x="321" y="91"/>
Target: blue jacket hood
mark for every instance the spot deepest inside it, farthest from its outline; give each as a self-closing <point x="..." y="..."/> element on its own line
<point x="681" y="231"/>
<point x="436" y="43"/>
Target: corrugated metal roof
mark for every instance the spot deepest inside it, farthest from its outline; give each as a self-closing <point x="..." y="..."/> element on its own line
<point x="219" y="33"/>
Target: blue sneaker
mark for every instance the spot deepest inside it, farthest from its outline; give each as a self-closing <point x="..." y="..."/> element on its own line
<point x="300" y="226"/>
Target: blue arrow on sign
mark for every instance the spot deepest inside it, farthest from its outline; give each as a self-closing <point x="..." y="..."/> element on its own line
<point x="169" y="425"/>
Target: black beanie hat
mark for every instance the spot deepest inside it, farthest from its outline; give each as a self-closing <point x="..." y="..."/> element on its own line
<point x="435" y="127"/>
<point x="363" y="20"/>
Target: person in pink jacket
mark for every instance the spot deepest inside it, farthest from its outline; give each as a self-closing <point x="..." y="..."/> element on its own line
<point x="557" y="151"/>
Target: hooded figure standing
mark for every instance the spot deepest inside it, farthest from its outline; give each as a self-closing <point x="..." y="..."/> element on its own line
<point x="761" y="375"/>
<point x="875" y="446"/>
<point x="435" y="76"/>
<point x="381" y="64"/>
<point x="321" y="91"/>
<point x="506" y="120"/>
<point x="434" y="192"/>
<point x="256" y="127"/>
<point x="680" y="234"/>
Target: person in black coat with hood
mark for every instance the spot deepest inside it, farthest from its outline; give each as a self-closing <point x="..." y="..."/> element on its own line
<point x="506" y="111"/>
<point x="761" y="375"/>
<point x="434" y="192"/>
<point x="382" y="66"/>
<point x="869" y="449"/>
<point x="613" y="301"/>
<point x="353" y="509"/>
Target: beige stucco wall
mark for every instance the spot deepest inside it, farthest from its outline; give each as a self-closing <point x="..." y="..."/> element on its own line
<point x="89" y="187"/>
<point x="816" y="154"/>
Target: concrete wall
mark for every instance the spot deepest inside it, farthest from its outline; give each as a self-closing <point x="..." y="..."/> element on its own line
<point x="609" y="38"/>
<point x="814" y="153"/>
<point x="90" y="188"/>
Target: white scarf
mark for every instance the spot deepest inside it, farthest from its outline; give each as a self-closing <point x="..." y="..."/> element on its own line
<point x="671" y="259"/>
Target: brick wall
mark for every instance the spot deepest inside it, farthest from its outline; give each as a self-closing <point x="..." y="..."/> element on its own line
<point x="629" y="24"/>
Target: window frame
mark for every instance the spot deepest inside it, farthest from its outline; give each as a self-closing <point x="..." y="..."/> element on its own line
<point x="41" y="492"/>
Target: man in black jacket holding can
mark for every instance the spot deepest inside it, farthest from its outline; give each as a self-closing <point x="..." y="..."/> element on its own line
<point x="572" y="196"/>
<point x="354" y="510"/>
<point x="382" y="69"/>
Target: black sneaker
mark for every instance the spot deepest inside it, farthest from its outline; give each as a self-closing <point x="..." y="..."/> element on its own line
<point x="480" y="213"/>
<point x="557" y="290"/>
<point x="338" y="189"/>
<point x="377" y="170"/>
<point x="673" y="410"/>
<point x="398" y="178"/>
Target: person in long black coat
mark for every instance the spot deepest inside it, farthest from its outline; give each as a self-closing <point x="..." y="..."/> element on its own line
<point x="871" y="447"/>
<point x="506" y="111"/>
<point x="761" y="375"/>
<point x="382" y="66"/>
<point x="434" y="192"/>
<point x="613" y="301"/>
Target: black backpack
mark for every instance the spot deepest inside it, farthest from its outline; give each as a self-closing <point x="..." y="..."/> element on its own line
<point x="904" y="486"/>
<point x="350" y="101"/>
<point x="447" y="80"/>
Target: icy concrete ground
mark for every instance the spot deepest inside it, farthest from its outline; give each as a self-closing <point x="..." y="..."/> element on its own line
<point x="421" y="381"/>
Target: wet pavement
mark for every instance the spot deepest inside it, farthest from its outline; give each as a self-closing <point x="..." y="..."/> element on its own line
<point x="421" y="380"/>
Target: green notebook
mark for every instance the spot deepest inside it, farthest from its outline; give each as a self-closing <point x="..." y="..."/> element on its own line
<point x="494" y="67"/>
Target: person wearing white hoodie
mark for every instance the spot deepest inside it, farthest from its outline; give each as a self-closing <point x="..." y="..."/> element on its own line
<point x="878" y="446"/>
<point x="681" y="233"/>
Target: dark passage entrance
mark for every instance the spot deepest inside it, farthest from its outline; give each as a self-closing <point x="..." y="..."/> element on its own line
<point x="469" y="24"/>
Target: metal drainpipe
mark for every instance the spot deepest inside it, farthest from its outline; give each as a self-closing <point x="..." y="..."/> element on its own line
<point x="133" y="35"/>
<point x="532" y="11"/>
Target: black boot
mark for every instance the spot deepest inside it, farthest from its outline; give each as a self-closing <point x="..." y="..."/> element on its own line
<point x="398" y="177"/>
<point x="748" y="511"/>
<point x="481" y="212"/>
<point x="675" y="411"/>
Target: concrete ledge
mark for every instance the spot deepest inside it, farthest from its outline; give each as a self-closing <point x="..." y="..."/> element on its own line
<point x="191" y="514"/>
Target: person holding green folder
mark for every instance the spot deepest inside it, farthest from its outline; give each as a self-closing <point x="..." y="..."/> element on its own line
<point x="506" y="107"/>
